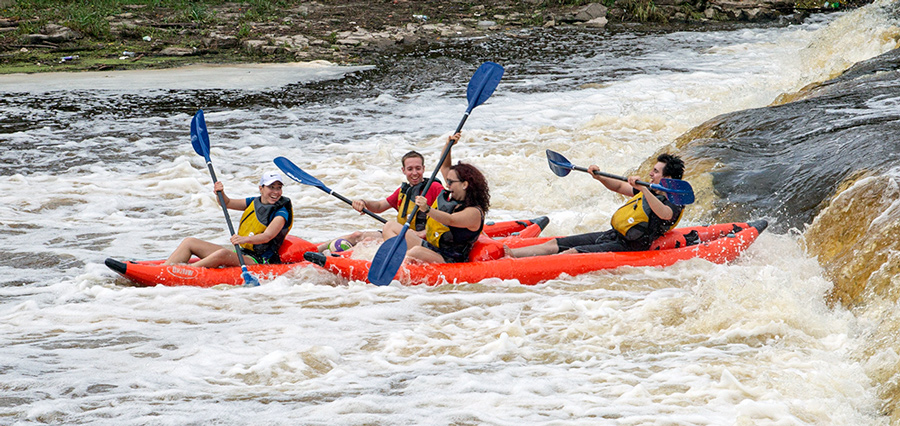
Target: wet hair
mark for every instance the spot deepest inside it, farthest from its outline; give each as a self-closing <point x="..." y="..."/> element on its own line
<point x="674" y="166"/>
<point x="477" y="194"/>
<point x="408" y="155"/>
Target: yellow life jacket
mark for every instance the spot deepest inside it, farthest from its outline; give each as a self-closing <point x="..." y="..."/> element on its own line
<point x="256" y="218"/>
<point x="406" y="202"/>
<point x="632" y="220"/>
<point x="442" y="236"/>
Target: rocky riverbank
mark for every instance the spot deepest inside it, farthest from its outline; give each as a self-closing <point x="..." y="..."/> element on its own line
<point x="341" y="31"/>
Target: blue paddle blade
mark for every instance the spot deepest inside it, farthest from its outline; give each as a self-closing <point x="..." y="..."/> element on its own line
<point x="483" y="83"/>
<point x="297" y="174"/>
<point x="249" y="280"/>
<point x="388" y="259"/>
<point x="558" y="164"/>
<point x="199" y="135"/>
<point x="679" y="191"/>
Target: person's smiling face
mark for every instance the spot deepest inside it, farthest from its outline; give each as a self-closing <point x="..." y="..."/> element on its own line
<point x="413" y="170"/>
<point x="270" y="193"/>
<point x="457" y="187"/>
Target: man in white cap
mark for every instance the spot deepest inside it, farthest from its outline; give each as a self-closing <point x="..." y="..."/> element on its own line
<point x="266" y="221"/>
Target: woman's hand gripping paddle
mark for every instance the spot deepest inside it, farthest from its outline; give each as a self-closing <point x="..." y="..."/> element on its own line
<point x="299" y="175"/>
<point x="200" y="141"/>
<point x="390" y="255"/>
<point x="680" y="191"/>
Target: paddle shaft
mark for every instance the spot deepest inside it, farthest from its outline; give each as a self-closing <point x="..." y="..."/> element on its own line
<point x="200" y="142"/>
<point x="680" y="192"/>
<point x="297" y="174"/>
<point x="221" y="195"/>
<point x="348" y="201"/>
<point x="472" y="104"/>
<point x="461" y="123"/>
<point x="610" y="175"/>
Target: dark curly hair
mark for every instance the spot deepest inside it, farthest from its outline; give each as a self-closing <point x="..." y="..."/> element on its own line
<point x="674" y="166"/>
<point x="477" y="194"/>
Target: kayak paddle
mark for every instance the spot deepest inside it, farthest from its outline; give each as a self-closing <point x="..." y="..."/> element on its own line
<point x="680" y="191"/>
<point x="299" y="175"/>
<point x="390" y="255"/>
<point x="200" y="141"/>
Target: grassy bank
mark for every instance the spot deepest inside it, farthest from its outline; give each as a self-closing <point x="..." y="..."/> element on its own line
<point x="130" y="34"/>
<point x="121" y="34"/>
<point x="126" y="34"/>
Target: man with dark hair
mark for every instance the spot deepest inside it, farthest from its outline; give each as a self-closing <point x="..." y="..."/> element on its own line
<point x="412" y="164"/>
<point x="645" y="217"/>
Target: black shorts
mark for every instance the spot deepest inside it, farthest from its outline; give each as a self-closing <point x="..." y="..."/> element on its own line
<point x="597" y="242"/>
<point x="449" y="256"/>
<point x="262" y="260"/>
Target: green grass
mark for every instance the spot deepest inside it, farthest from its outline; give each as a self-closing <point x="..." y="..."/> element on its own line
<point x="86" y="17"/>
<point x="90" y="16"/>
<point x="644" y="11"/>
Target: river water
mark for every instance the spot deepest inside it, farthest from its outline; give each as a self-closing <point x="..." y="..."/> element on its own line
<point x="101" y="165"/>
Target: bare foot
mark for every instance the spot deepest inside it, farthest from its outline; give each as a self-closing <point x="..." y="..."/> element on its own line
<point x="507" y="252"/>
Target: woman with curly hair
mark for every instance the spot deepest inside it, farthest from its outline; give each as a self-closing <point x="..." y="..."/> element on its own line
<point x="455" y="219"/>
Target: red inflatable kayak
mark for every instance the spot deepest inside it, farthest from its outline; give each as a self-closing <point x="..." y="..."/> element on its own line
<point x="715" y="243"/>
<point x="153" y="272"/>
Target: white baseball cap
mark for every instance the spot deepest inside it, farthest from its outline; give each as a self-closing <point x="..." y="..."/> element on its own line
<point x="270" y="178"/>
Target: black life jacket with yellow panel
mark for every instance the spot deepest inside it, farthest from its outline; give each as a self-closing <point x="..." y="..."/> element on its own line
<point x="636" y="220"/>
<point x="256" y="218"/>
<point x="450" y="239"/>
<point x="406" y="202"/>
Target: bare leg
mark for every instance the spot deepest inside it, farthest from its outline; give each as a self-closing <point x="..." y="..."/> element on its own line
<point x="192" y="247"/>
<point x="414" y="249"/>
<point x="412" y="240"/>
<point x="391" y="229"/>
<point x="423" y="254"/>
<point x="223" y="257"/>
<point x="550" y="247"/>
<point x="359" y="236"/>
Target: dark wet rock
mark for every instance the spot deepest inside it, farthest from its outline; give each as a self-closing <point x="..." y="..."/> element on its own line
<point x="825" y="136"/>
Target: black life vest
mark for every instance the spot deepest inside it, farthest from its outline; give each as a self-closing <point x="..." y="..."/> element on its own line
<point x="406" y="202"/>
<point x="256" y="218"/>
<point x="451" y="238"/>
<point x="636" y="220"/>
